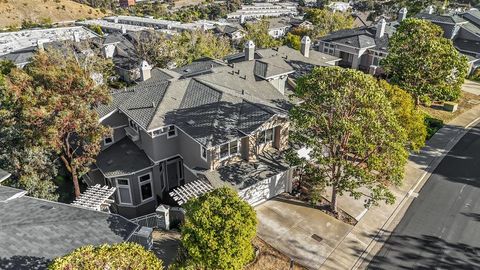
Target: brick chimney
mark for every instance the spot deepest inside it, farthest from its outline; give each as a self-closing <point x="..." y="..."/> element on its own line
<point x="305" y="46"/>
<point x="249" y="50"/>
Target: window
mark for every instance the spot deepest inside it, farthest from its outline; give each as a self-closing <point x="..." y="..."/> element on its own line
<point x="203" y="152"/>
<point x="133" y="125"/>
<point x="329" y="48"/>
<point x="159" y="132"/>
<point x="123" y="188"/>
<point x="233" y="147"/>
<point x="266" y="136"/>
<point x="172" y="131"/>
<point x="377" y="56"/>
<point x="145" y="182"/>
<point x="224" y="150"/>
<point x="228" y="149"/>
<point x="108" y="140"/>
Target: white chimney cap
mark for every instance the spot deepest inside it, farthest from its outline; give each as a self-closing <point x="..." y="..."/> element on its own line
<point x="305" y="39"/>
<point x="249" y="44"/>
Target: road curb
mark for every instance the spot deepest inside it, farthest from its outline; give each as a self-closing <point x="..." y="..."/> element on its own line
<point x="432" y="165"/>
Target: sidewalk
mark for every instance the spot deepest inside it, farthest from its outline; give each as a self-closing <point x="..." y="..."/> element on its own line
<point x="362" y="242"/>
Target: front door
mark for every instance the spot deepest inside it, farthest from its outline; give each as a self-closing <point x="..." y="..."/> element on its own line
<point x="174" y="172"/>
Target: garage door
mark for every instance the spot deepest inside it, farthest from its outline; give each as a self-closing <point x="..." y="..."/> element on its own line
<point x="265" y="189"/>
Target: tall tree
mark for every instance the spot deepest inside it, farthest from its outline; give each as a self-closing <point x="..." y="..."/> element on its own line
<point x="58" y="116"/>
<point x="424" y="63"/>
<point x="326" y="21"/>
<point x="351" y="128"/>
<point x="258" y="33"/>
<point x="32" y="167"/>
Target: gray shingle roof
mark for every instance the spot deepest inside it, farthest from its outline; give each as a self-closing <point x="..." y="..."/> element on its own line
<point x="122" y="158"/>
<point x="451" y="19"/>
<point x="4" y="175"/>
<point x="34" y="231"/>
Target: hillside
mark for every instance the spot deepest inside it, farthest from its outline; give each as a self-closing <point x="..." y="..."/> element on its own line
<point x="15" y="11"/>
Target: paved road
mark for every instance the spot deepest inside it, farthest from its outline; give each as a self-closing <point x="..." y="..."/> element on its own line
<point x="441" y="228"/>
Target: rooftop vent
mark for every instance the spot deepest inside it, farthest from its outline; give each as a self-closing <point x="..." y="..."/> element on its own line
<point x="191" y="122"/>
<point x="46" y="207"/>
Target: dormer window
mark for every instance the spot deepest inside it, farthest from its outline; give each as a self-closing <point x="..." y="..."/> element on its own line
<point x="329" y="48"/>
<point x="203" y="152"/>
<point x="228" y="149"/>
<point x="266" y="136"/>
<point x="172" y="131"/>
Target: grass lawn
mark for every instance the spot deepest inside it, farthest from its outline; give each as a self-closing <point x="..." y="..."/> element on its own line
<point x="269" y="258"/>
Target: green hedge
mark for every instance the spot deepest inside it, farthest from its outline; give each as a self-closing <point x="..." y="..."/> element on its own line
<point x="433" y="125"/>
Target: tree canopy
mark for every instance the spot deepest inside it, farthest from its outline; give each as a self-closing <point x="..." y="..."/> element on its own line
<point x="161" y="50"/>
<point x="258" y="33"/>
<point x="122" y="256"/>
<point x="326" y="21"/>
<point x="409" y="117"/>
<point x="424" y="63"/>
<point x="49" y="116"/>
<point x="218" y="230"/>
<point x="355" y="138"/>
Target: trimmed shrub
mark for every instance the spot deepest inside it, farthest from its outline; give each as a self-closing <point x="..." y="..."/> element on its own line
<point x="124" y="256"/>
<point x="218" y="231"/>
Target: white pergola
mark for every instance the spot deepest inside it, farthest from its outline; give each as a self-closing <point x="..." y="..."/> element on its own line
<point x="189" y="191"/>
<point x="95" y="198"/>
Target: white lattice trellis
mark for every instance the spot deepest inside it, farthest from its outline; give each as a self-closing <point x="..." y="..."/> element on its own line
<point x="189" y="191"/>
<point x="96" y="198"/>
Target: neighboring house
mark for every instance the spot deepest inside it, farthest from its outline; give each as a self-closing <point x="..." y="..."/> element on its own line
<point x="33" y="231"/>
<point x="360" y="48"/>
<point x="363" y="48"/>
<point x="223" y="123"/>
<point x="300" y="23"/>
<point x="126" y="3"/>
<point x="339" y="6"/>
<point x="278" y="27"/>
<point x="261" y="10"/>
<point x="463" y="29"/>
<point x="111" y="27"/>
<point x="20" y="46"/>
<point x="234" y="32"/>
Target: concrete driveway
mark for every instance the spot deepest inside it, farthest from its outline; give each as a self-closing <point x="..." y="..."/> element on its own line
<point x="289" y="226"/>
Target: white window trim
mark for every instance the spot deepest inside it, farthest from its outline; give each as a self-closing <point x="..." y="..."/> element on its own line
<point x="175" y="129"/>
<point x="162" y="131"/>
<point x="265" y="142"/>
<point x="140" y="184"/>
<point x="123" y="186"/>
<point x="201" y="153"/>
<point x="229" y="154"/>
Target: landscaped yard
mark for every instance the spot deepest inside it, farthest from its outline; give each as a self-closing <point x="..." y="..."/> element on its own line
<point x="466" y="102"/>
<point x="269" y="258"/>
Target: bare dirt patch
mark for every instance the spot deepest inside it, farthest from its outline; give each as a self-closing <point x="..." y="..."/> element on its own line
<point x="270" y="258"/>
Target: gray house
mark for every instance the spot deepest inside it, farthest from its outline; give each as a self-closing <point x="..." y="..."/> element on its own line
<point x="363" y="47"/>
<point x="223" y="123"/>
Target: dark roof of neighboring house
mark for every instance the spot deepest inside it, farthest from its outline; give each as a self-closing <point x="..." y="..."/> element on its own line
<point x="20" y="58"/>
<point x="197" y="68"/>
<point x="122" y="158"/>
<point x="227" y="29"/>
<point x="241" y="175"/>
<point x="363" y="37"/>
<point x="451" y="19"/>
<point x="3" y="175"/>
<point x="466" y="45"/>
<point x="279" y="22"/>
<point x="35" y="231"/>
